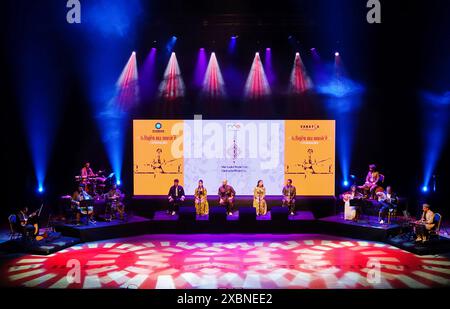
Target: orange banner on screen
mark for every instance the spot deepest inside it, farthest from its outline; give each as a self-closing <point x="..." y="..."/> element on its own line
<point x="158" y="155"/>
<point x="310" y="156"/>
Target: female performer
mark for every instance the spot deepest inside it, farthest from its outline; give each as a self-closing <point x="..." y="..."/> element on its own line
<point x="201" y="200"/>
<point x="259" y="198"/>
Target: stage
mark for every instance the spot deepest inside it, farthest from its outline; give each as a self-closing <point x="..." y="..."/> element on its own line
<point x="229" y="261"/>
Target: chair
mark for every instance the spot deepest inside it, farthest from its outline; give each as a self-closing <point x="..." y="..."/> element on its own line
<point x="13" y="232"/>
<point x="437" y="225"/>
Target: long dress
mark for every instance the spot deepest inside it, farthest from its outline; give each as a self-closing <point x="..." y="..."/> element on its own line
<point x="201" y="201"/>
<point x="259" y="200"/>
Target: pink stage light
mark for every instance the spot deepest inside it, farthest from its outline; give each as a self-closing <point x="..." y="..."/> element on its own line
<point x="172" y="86"/>
<point x="257" y="85"/>
<point x="127" y="85"/>
<point x="299" y="81"/>
<point x="213" y="84"/>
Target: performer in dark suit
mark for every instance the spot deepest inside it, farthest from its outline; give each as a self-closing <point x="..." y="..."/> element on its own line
<point x="176" y="197"/>
<point x="388" y="201"/>
<point x="226" y="196"/>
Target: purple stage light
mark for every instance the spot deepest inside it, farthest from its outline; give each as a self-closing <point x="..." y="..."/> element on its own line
<point x="200" y="67"/>
<point x="268" y="66"/>
<point x="336" y="54"/>
<point x="147" y="79"/>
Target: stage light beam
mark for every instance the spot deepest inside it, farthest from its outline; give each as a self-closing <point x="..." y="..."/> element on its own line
<point x="256" y="85"/>
<point x="172" y="85"/>
<point x="299" y="81"/>
<point x="213" y="83"/>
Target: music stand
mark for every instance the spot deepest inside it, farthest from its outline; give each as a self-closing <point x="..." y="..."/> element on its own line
<point x="86" y="204"/>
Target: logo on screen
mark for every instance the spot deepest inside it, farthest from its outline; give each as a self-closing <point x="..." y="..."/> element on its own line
<point x="309" y="127"/>
<point x="234" y="126"/>
<point x="158" y="125"/>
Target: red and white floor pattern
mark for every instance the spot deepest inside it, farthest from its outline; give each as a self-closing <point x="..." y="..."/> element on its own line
<point x="228" y="261"/>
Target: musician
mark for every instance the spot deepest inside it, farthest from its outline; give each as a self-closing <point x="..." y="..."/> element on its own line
<point x="371" y="183"/>
<point x="201" y="199"/>
<point x="388" y="201"/>
<point x="114" y="203"/>
<point x="425" y="224"/>
<point x="27" y="223"/>
<point x="351" y="212"/>
<point x="176" y="197"/>
<point x="259" y="199"/>
<point x="226" y="196"/>
<point x="87" y="171"/>
<point x="78" y="196"/>
<point x="289" y="193"/>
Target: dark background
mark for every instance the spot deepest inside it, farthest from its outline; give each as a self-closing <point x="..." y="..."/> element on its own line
<point x="395" y="61"/>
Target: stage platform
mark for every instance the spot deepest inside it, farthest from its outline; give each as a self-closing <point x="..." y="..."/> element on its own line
<point x="366" y="228"/>
<point x="134" y="225"/>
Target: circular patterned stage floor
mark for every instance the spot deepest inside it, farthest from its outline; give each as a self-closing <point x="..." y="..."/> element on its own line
<point x="228" y="261"/>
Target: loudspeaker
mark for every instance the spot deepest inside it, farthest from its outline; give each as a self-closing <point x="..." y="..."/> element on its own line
<point x="247" y="214"/>
<point x="187" y="213"/>
<point x="279" y="213"/>
<point x="217" y="213"/>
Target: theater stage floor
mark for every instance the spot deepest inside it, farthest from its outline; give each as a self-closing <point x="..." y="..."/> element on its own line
<point x="295" y="261"/>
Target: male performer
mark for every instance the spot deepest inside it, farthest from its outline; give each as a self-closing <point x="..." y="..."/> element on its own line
<point x="114" y="204"/>
<point x="77" y="197"/>
<point x="289" y="193"/>
<point x="388" y="201"/>
<point x="425" y="224"/>
<point x="176" y="197"/>
<point x="87" y="171"/>
<point x="27" y="223"/>
<point x="226" y="196"/>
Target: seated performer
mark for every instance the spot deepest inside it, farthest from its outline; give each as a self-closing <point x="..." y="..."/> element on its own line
<point x="371" y="181"/>
<point x="226" y="196"/>
<point x="77" y="197"/>
<point x="201" y="199"/>
<point x="351" y="212"/>
<point x="27" y="224"/>
<point x="425" y="224"/>
<point x="289" y="193"/>
<point x="114" y="203"/>
<point x="388" y="201"/>
<point x="176" y="197"/>
<point x="259" y="199"/>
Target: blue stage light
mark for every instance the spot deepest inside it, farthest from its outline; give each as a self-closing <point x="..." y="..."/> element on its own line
<point x="118" y="182"/>
<point x="436" y="119"/>
<point x="343" y="99"/>
<point x="345" y="183"/>
<point x="171" y="44"/>
<point x="40" y="189"/>
<point x="425" y="189"/>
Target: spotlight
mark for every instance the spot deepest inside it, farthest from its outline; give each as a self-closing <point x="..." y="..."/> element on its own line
<point x="313" y="49"/>
<point x="40" y="189"/>
<point x="118" y="182"/>
<point x="345" y="183"/>
<point x="336" y="54"/>
<point x="425" y="189"/>
<point x="268" y="48"/>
